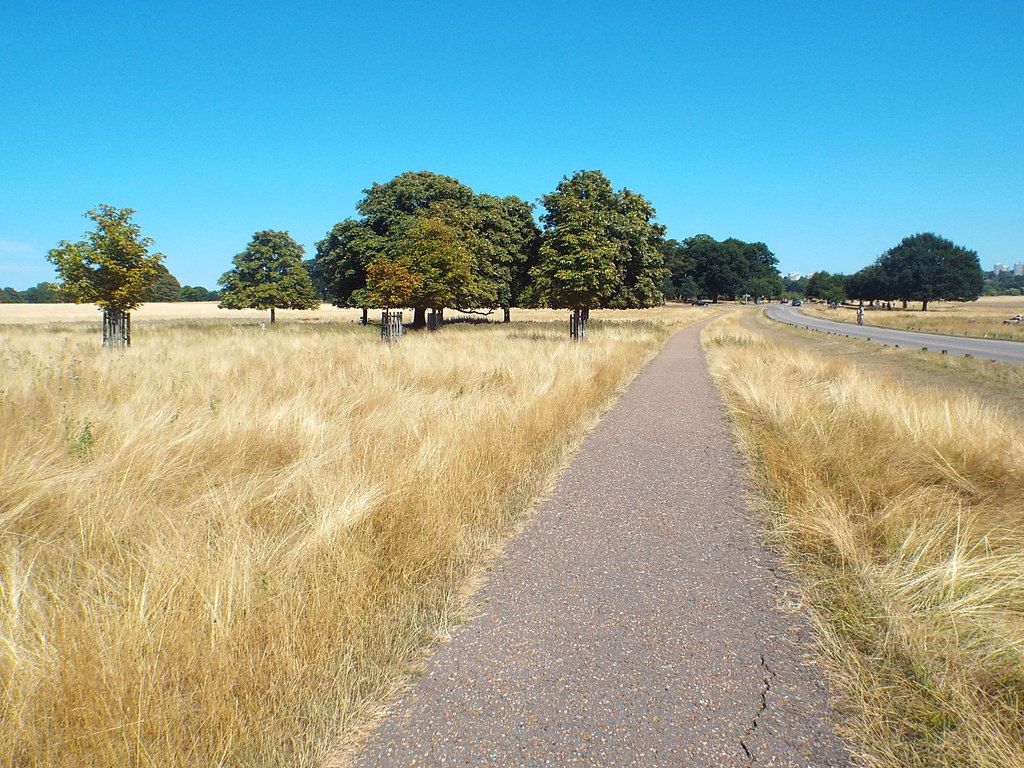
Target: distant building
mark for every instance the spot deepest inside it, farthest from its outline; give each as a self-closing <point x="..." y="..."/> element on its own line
<point x="997" y="268"/>
<point x="1018" y="269"/>
<point x="794" y="276"/>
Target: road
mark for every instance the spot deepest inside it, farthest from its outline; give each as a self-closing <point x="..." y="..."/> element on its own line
<point x="984" y="349"/>
<point x="637" y="619"/>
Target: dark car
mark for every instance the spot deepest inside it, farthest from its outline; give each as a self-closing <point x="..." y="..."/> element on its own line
<point x="797" y="302"/>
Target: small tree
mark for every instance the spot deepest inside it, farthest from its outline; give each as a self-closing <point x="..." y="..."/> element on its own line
<point x="111" y="267"/>
<point x="576" y="268"/>
<point x="268" y="274"/>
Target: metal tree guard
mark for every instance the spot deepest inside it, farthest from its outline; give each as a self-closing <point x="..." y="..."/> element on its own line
<point x="390" y="326"/>
<point x="117" y="329"/>
<point x="578" y="322"/>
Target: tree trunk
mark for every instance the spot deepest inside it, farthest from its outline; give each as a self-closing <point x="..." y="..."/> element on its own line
<point x="366" y="316"/>
<point x="440" y="316"/>
<point x="508" y="314"/>
<point x="272" y="318"/>
<point x="924" y="305"/>
<point x="904" y="303"/>
<point x="419" y="317"/>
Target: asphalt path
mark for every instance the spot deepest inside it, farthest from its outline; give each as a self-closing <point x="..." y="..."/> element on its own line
<point x="637" y="621"/>
<point x="984" y="349"/>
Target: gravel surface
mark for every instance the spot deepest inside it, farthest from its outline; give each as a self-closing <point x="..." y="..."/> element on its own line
<point x="635" y="622"/>
<point x="984" y="349"/>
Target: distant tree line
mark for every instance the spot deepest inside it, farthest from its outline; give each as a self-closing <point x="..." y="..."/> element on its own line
<point x="1002" y="284"/>
<point x="701" y="266"/>
<point x="922" y="268"/>
<point x="165" y="288"/>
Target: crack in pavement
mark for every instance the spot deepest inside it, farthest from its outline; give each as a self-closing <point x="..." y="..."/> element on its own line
<point x="765" y="691"/>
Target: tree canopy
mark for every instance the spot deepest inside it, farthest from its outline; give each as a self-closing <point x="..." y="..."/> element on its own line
<point x="268" y="274"/>
<point x="480" y="246"/>
<point x="827" y="287"/>
<point x="600" y="248"/>
<point x="922" y="267"/>
<point x="165" y="286"/>
<point x="112" y="266"/>
<point x="728" y="268"/>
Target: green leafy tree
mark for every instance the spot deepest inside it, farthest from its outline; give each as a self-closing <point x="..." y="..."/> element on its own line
<point x="387" y="211"/>
<point x="760" y="274"/>
<point x="341" y="260"/>
<point x="499" y="234"/>
<point x="268" y="274"/>
<point x="827" y="286"/>
<point x="576" y="267"/>
<point x="869" y="284"/>
<point x="679" y="283"/>
<point x="165" y="287"/>
<point x="586" y="211"/>
<point x="926" y="267"/>
<point x="437" y="254"/>
<point x="506" y="240"/>
<point x="314" y="269"/>
<point x="112" y="268"/>
<point x="41" y="293"/>
<point x="391" y="284"/>
<point x="719" y="267"/>
<point x="198" y="293"/>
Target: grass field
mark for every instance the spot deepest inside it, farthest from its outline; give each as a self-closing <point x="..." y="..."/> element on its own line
<point x="981" y="319"/>
<point x="207" y="312"/>
<point x="219" y="547"/>
<point x="900" y="507"/>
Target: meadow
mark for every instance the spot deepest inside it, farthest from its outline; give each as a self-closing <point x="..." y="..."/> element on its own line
<point x="222" y="546"/>
<point x="899" y="506"/>
<point x="981" y="319"/>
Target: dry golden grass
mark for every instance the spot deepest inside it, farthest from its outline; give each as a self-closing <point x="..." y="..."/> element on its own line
<point x="902" y="510"/>
<point x="207" y="311"/>
<point x="218" y="547"/>
<point x="981" y="319"/>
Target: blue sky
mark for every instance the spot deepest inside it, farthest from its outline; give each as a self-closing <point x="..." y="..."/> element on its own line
<point x="829" y="131"/>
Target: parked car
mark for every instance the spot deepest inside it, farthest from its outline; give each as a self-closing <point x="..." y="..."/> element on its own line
<point x="797" y="302"/>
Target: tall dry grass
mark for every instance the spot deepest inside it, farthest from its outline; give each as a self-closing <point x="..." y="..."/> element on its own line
<point x="982" y="319"/>
<point x="904" y="512"/>
<point x="216" y="548"/>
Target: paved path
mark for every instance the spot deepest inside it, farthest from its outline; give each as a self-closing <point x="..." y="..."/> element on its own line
<point x="985" y="349"/>
<point x="634" y="621"/>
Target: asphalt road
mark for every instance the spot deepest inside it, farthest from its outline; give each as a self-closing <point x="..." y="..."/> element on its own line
<point x="637" y="619"/>
<point x="984" y="349"/>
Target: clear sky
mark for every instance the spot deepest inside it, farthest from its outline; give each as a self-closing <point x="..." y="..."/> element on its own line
<point x="827" y="130"/>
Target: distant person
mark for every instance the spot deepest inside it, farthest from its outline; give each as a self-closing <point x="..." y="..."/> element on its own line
<point x="860" y="315"/>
